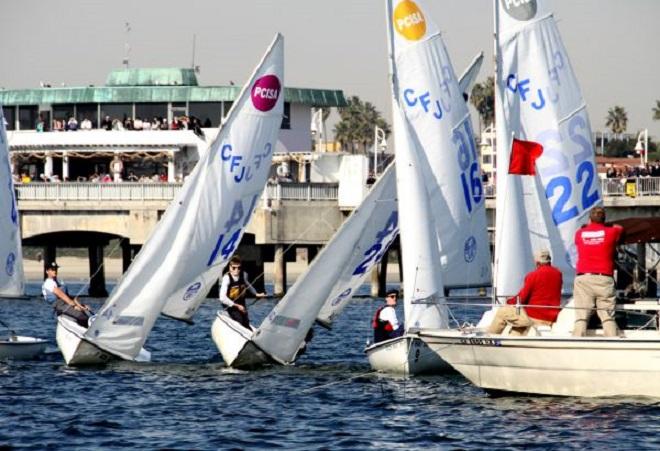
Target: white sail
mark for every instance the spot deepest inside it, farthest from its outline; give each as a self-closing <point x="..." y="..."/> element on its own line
<point x="379" y="231"/>
<point x="429" y="95"/>
<point x="539" y="99"/>
<point x="12" y="282"/>
<point x="343" y="263"/>
<point x="379" y="226"/>
<point x="204" y="224"/>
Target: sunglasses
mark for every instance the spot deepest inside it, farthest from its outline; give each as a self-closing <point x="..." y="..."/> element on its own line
<point x="234" y="267"/>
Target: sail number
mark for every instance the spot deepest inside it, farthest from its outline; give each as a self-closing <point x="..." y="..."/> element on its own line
<point x="468" y="162"/>
<point x="567" y="174"/>
<point x="234" y="226"/>
<point x="375" y="252"/>
<point x="237" y="167"/>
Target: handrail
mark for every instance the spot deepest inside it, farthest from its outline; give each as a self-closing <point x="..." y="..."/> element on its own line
<point x="644" y="186"/>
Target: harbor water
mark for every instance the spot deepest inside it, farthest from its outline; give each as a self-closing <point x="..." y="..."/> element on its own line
<point x="186" y="398"/>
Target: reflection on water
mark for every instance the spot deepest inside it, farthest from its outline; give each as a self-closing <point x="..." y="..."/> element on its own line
<point x="187" y="398"/>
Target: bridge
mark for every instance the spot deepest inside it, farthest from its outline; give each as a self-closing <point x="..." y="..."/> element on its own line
<point x="290" y="216"/>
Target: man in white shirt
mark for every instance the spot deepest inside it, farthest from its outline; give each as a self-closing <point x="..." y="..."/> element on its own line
<point x="385" y="323"/>
<point x="55" y="294"/>
<point x="233" y="291"/>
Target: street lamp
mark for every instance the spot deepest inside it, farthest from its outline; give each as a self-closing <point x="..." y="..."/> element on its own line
<point x="379" y="142"/>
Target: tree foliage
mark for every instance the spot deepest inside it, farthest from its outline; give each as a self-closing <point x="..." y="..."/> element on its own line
<point x="617" y="120"/>
<point x="355" y="129"/>
<point x="656" y="111"/>
<point x="483" y="100"/>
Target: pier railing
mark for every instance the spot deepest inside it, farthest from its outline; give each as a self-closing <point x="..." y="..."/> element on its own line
<point x="85" y="191"/>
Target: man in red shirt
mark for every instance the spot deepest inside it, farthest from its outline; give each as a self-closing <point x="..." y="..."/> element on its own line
<point x="594" y="282"/>
<point x="541" y="294"/>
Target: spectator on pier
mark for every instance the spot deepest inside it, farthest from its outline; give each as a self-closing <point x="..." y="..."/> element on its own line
<point x="541" y="294"/>
<point x="128" y="123"/>
<point x="117" y="167"/>
<point x="132" y="177"/>
<point x="55" y="294"/>
<point x="594" y="282"/>
<point x="72" y="124"/>
<point x="233" y="292"/>
<point x="137" y="124"/>
<point x="25" y="178"/>
<point x="117" y="125"/>
<point x="385" y="323"/>
<point x="58" y="125"/>
<point x="107" y="123"/>
<point x="86" y="124"/>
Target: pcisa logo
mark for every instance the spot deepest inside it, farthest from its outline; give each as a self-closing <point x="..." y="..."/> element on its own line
<point x="265" y="92"/>
<point x="520" y="9"/>
<point x="192" y="291"/>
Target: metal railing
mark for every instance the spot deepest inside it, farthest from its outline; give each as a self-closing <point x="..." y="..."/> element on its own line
<point x="85" y="191"/>
<point x="643" y="186"/>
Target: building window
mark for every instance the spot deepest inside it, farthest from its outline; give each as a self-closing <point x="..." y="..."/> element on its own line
<point x="209" y="113"/>
<point x="121" y="111"/>
<point x="27" y="117"/>
<point x="226" y="106"/>
<point x="62" y="112"/>
<point x="10" y="116"/>
<point x="87" y="111"/>
<point x="286" y="119"/>
<point x="150" y="111"/>
<point x="487" y="159"/>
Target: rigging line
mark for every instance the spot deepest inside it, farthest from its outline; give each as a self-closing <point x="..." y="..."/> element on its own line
<point x="119" y="242"/>
<point x="11" y="331"/>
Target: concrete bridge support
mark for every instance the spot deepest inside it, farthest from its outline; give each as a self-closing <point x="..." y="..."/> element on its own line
<point x="279" y="271"/>
<point x="96" y="272"/>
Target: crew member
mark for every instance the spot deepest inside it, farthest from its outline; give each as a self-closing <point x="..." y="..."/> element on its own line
<point x="385" y="323"/>
<point x="233" y="292"/>
<point x="541" y="294"/>
<point x="594" y="282"/>
<point x="55" y="294"/>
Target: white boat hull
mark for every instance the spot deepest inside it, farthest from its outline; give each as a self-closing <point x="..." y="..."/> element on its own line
<point x="18" y="347"/>
<point x="406" y="355"/>
<point x="79" y="352"/>
<point x="591" y="366"/>
<point x="235" y="343"/>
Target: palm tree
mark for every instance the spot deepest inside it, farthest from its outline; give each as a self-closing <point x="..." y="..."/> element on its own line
<point x="656" y="111"/>
<point x="483" y="100"/>
<point x="617" y="120"/>
<point x="355" y="130"/>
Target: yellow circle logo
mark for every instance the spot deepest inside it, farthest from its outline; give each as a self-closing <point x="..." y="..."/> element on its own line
<point x="409" y="21"/>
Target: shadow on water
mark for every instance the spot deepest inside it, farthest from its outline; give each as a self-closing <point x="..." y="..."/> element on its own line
<point x="188" y="398"/>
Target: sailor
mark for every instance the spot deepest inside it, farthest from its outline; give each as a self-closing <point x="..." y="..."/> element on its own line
<point x="541" y="294"/>
<point x="55" y="294"/>
<point x="385" y="323"/>
<point x="594" y="282"/>
<point x="233" y="291"/>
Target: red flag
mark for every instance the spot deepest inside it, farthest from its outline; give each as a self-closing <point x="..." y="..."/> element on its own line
<point x="523" y="157"/>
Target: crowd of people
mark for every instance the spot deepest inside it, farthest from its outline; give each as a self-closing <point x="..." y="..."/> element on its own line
<point x="157" y="123"/>
<point x="630" y="171"/>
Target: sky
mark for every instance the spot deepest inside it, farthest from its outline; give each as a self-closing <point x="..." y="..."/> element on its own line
<point x="334" y="44"/>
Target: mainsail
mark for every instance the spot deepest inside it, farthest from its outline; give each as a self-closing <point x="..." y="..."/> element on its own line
<point x="204" y="224"/>
<point x="538" y="99"/>
<point x="433" y="104"/>
<point x="12" y="282"/>
<point x="341" y="265"/>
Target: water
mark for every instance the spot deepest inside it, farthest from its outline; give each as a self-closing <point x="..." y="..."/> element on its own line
<point x="186" y="398"/>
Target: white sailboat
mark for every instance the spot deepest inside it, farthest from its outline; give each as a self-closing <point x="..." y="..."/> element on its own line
<point x="436" y="140"/>
<point x="12" y="278"/>
<point x="199" y="231"/>
<point x="338" y="270"/>
<point x="538" y="99"/>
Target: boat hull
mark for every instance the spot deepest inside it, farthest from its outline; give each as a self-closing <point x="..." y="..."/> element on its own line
<point x="79" y="352"/>
<point x="235" y="344"/>
<point x="563" y="366"/>
<point x="406" y="355"/>
<point x="19" y="347"/>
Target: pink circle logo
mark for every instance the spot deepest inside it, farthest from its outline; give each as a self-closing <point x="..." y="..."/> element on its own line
<point x="265" y="92"/>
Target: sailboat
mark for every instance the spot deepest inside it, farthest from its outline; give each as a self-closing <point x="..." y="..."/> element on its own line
<point x="436" y="146"/>
<point x="367" y="234"/>
<point x="12" y="278"/>
<point x="538" y="99"/>
<point x="199" y="231"/>
<point x="336" y="272"/>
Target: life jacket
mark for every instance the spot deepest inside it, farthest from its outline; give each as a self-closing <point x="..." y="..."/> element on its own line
<point x="237" y="289"/>
<point x="379" y="324"/>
